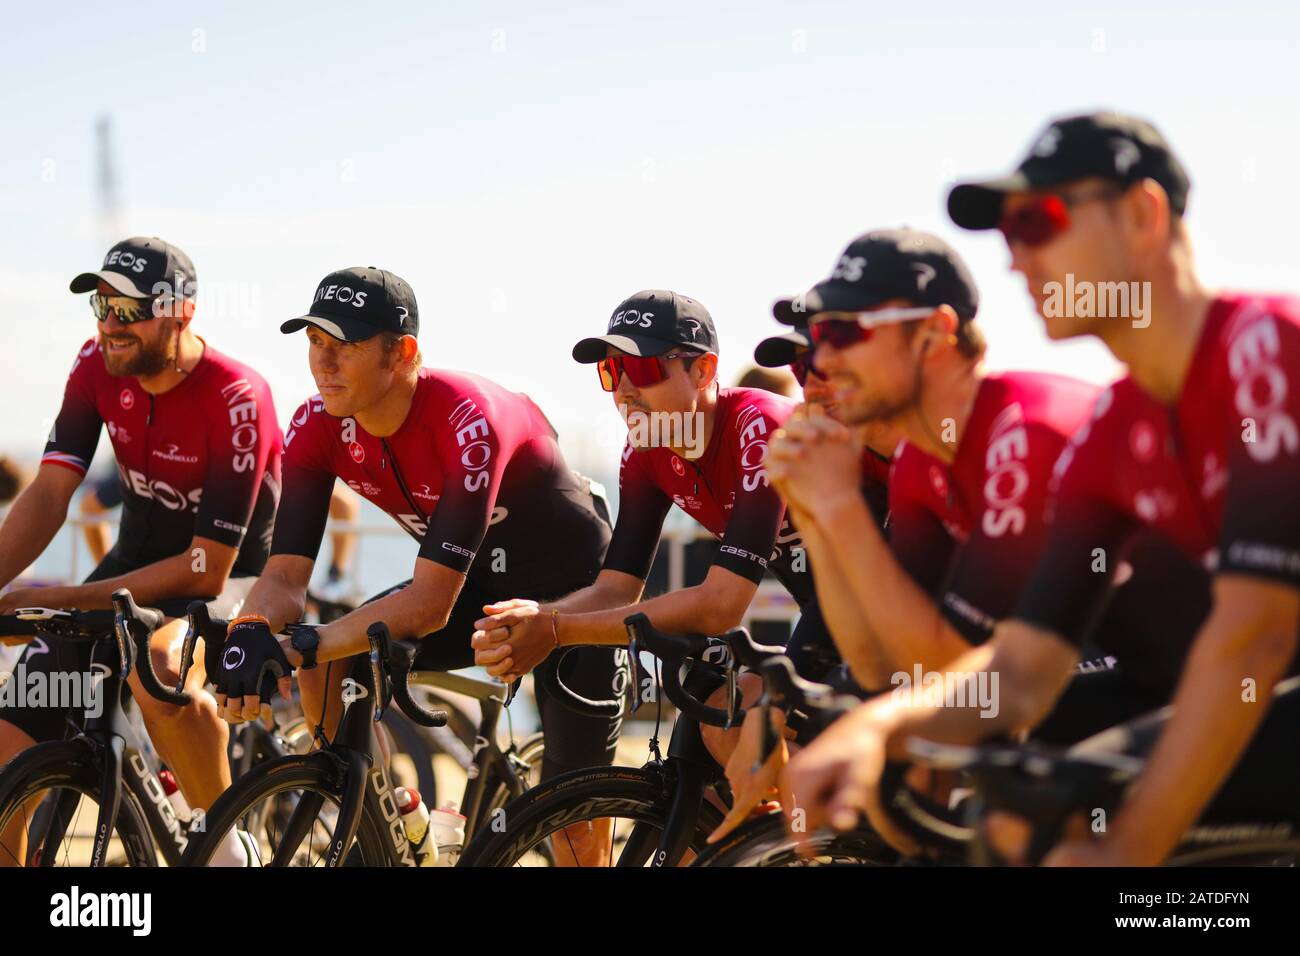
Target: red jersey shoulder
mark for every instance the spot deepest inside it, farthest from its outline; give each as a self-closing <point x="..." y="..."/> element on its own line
<point x="89" y="361"/>
<point x="308" y="427"/>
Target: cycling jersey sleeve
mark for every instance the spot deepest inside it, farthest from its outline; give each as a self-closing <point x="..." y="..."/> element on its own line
<point x="474" y="460"/>
<point x="240" y="443"/>
<point x="1260" y="535"/>
<point x="307" y="485"/>
<point x="75" y="434"/>
<point x="1088" y="531"/>
<point x="752" y="527"/>
<point x="1007" y="534"/>
<point x="642" y="507"/>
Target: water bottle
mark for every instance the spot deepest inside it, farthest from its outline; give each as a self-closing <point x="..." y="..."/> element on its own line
<point x="415" y="821"/>
<point x="448" y="827"/>
<point x="174" y="796"/>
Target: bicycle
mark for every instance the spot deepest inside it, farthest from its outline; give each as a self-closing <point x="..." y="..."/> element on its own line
<point x="1046" y="787"/>
<point x="105" y="762"/>
<point x="362" y="825"/>
<point x="666" y="802"/>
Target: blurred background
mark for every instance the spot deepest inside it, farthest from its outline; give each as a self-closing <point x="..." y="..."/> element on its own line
<point x="526" y="166"/>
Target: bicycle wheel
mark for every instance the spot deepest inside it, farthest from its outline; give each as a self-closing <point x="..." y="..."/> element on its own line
<point x="763" y="841"/>
<point x="304" y="794"/>
<point x="60" y="828"/>
<point x="637" y="803"/>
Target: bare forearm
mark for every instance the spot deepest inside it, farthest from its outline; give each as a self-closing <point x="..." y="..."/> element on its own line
<point x="31" y="524"/>
<point x="277" y="599"/>
<point x="905" y="622"/>
<point x="172" y="577"/>
<point x="692" y="610"/>
<point x="845" y="618"/>
<point x="597" y="597"/>
<point x="1211" y="727"/>
<point x="408" y="614"/>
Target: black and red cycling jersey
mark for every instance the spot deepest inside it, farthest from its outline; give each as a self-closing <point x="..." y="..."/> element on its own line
<point x="1216" y="473"/>
<point x="969" y="532"/>
<point x="199" y="460"/>
<point x="474" y="473"/>
<point x="726" y="490"/>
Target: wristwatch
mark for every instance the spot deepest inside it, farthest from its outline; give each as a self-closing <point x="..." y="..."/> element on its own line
<point x="305" y="640"/>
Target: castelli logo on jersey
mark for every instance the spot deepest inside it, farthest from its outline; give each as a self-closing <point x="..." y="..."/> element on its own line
<point x="357" y="452"/>
<point x="1007" y="479"/>
<point x="678" y="467"/>
<point x="1262" y="386"/>
<point x="753" y="447"/>
<point x="127" y="398"/>
<point x="1142" y="441"/>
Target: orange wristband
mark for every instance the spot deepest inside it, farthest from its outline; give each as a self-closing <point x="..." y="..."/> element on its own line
<point x="244" y="619"/>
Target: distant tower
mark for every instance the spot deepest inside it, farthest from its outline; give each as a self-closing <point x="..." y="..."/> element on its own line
<point x="108" y="224"/>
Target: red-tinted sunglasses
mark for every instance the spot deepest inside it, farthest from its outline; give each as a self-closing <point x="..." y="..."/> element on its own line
<point x="842" y="329"/>
<point x="642" y="370"/>
<point x="1043" y="218"/>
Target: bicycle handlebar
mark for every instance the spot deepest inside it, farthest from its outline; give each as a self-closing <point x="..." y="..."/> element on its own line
<point x="553" y="684"/>
<point x="674" y="650"/>
<point x="392" y="659"/>
<point x="132" y="627"/>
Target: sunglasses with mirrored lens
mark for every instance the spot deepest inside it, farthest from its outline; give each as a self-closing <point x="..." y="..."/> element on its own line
<point x="1043" y="218"/>
<point x="642" y="371"/>
<point x="843" y="329"/>
<point x="126" y="308"/>
<point x="1037" y="222"/>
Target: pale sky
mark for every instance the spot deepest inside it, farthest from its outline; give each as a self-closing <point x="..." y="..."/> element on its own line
<point x="525" y="169"/>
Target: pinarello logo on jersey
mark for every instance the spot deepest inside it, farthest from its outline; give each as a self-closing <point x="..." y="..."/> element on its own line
<point x="127" y="398"/>
<point x="678" y="467"/>
<point x="426" y="493"/>
<point x="172" y="452"/>
<point x="357" y="453"/>
<point x="1143" y="441"/>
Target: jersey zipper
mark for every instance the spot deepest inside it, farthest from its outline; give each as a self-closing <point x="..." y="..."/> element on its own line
<point x="401" y="484"/>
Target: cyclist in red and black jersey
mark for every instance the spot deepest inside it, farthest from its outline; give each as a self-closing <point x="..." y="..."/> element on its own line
<point x="1199" y="442"/>
<point x="198" y="457"/>
<point x="693" y="444"/>
<point x="894" y="324"/>
<point x="471" y="470"/>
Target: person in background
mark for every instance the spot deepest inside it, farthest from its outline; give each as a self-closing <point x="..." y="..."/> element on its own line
<point x="769" y="380"/>
<point x="104" y="495"/>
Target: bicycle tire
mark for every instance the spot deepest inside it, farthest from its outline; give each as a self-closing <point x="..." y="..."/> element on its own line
<point x="764" y="842"/>
<point x="644" y="795"/>
<point x="70" y="765"/>
<point x="312" y="773"/>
